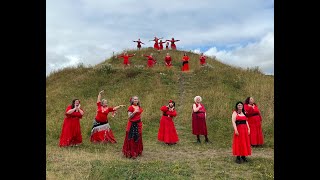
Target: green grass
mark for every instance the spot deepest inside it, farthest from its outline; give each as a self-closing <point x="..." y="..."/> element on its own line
<point x="220" y="86"/>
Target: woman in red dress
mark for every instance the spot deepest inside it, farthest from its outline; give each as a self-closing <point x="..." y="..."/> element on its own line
<point x="101" y="130"/>
<point x="71" y="130"/>
<point x="125" y="57"/>
<point x="156" y="43"/>
<point x="199" y="126"/>
<point x="151" y="60"/>
<point x="167" y="60"/>
<point x="173" y="45"/>
<point x="202" y="59"/>
<point x="132" y="146"/>
<point x="161" y="44"/>
<point x="254" y="120"/>
<point x="139" y="43"/>
<point x="185" y="62"/>
<point x="167" y="132"/>
<point x="241" y="141"/>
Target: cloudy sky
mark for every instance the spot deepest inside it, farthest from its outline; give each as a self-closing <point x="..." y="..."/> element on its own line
<point x="238" y="32"/>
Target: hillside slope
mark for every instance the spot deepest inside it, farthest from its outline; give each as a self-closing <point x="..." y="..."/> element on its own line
<point x="220" y="86"/>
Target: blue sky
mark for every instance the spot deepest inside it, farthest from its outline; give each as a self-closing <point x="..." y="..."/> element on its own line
<point x="239" y="33"/>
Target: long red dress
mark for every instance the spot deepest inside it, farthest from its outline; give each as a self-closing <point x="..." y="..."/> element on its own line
<point x="101" y="130"/>
<point x="133" y="146"/>
<point x="241" y="143"/>
<point x="254" y="120"/>
<point x="156" y="44"/>
<point x="126" y="59"/>
<point x="173" y="45"/>
<point x="167" y="132"/>
<point x="151" y="61"/>
<point x="185" y="63"/>
<point x="167" y="61"/>
<point x="71" y="130"/>
<point x="161" y="45"/>
<point x="199" y="126"/>
<point x="202" y="60"/>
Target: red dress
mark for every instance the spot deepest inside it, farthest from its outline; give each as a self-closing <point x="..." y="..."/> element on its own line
<point x="101" y="130"/>
<point x="241" y="143"/>
<point x="199" y="126"/>
<point x="167" y="61"/>
<point x="126" y="59"/>
<point x="254" y="120"/>
<point x="132" y="146"/>
<point x="185" y="63"/>
<point x="156" y="44"/>
<point x="151" y="61"/>
<point x="202" y="60"/>
<point x="160" y="45"/>
<point x="71" y="130"/>
<point x="167" y="132"/>
<point x="173" y="46"/>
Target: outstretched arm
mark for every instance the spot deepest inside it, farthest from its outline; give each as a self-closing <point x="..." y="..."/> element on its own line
<point x="99" y="96"/>
<point x="132" y="55"/>
<point x="117" y="107"/>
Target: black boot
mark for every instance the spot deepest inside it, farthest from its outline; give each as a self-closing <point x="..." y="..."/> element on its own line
<point x="207" y="140"/>
<point x="198" y="139"/>
<point x="244" y="159"/>
<point x="238" y="160"/>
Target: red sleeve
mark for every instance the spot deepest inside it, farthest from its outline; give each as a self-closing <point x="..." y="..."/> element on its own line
<point x="78" y="114"/>
<point x="131" y="55"/>
<point x="121" y="56"/>
<point x="164" y="109"/>
<point x="130" y="109"/>
<point x="68" y="108"/>
<point x="99" y="104"/>
<point x="248" y="109"/>
<point x="172" y="113"/>
<point x="110" y="109"/>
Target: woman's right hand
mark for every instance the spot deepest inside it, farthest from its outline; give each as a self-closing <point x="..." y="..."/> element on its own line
<point x="101" y="91"/>
<point x="236" y="132"/>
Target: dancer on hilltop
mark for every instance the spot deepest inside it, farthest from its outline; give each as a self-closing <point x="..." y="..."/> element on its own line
<point x="139" y="43"/>
<point x="156" y="43"/>
<point x="173" y="45"/>
<point x="151" y="60"/>
<point x="202" y="59"/>
<point x="167" y="60"/>
<point x="185" y="62"/>
<point x="125" y="57"/>
<point x="167" y="45"/>
<point x="199" y="115"/>
<point x="161" y="45"/>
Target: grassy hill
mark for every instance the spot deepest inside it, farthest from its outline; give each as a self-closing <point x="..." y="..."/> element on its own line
<point x="220" y="86"/>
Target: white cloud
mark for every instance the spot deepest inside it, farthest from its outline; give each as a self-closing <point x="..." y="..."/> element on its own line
<point x="92" y="29"/>
<point x="255" y="54"/>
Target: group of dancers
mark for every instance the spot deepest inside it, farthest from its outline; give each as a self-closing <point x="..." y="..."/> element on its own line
<point x="151" y="60"/>
<point x="246" y="121"/>
<point x="158" y="43"/>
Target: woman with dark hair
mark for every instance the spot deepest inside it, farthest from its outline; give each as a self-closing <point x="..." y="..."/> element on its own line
<point x="101" y="130"/>
<point x="71" y="130"/>
<point x="199" y="115"/>
<point x="139" y="43"/>
<point x="132" y="146"/>
<point x="185" y="62"/>
<point x="241" y="141"/>
<point x="254" y="120"/>
<point x="173" y="45"/>
<point x="167" y="132"/>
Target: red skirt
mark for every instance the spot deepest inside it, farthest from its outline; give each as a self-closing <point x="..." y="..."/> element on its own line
<point x="125" y="62"/>
<point x="256" y="135"/>
<point x="241" y="143"/>
<point x="202" y="62"/>
<point x="156" y="46"/>
<point x="168" y="63"/>
<point x="199" y="126"/>
<point x="185" y="67"/>
<point x="167" y="132"/>
<point x="71" y="132"/>
<point x="161" y="47"/>
<point x="130" y="148"/>
<point x="173" y="46"/>
<point x="102" y="133"/>
<point x="150" y="63"/>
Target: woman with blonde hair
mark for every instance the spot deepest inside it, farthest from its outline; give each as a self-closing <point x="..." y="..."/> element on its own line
<point x="199" y="126"/>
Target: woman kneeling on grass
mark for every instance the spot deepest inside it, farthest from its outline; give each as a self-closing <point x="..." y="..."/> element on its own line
<point x="101" y="130"/>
